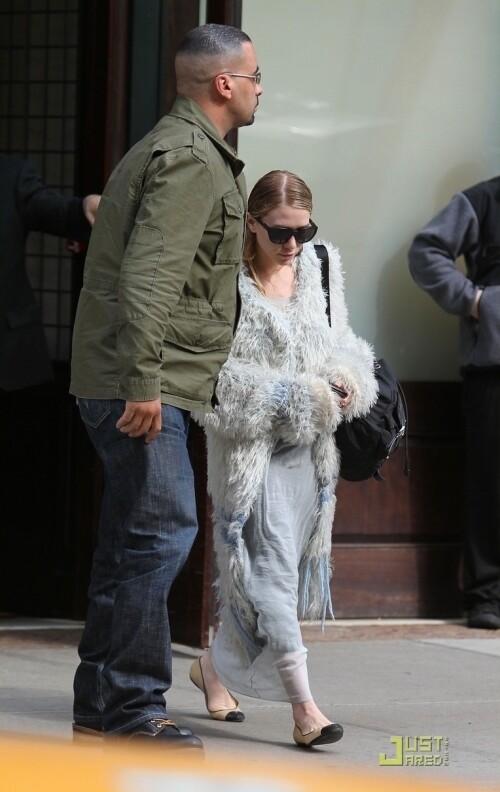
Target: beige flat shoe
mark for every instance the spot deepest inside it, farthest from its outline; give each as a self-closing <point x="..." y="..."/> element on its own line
<point x="234" y="715"/>
<point x="331" y="733"/>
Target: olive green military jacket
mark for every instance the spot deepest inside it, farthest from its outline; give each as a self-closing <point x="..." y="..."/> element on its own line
<point x="157" y="310"/>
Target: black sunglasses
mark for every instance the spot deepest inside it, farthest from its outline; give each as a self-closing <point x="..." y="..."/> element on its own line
<point x="279" y="234"/>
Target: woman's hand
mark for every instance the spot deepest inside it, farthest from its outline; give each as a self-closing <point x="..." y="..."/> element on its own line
<point x="341" y="391"/>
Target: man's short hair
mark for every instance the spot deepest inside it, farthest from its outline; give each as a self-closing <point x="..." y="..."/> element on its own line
<point x="213" y="40"/>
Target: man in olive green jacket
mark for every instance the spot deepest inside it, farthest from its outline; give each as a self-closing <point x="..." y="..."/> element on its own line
<point x="154" y="325"/>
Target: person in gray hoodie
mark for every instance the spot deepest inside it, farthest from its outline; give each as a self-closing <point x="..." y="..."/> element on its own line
<point x="470" y="226"/>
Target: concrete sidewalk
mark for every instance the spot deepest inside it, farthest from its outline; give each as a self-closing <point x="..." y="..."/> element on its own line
<point x="381" y="680"/>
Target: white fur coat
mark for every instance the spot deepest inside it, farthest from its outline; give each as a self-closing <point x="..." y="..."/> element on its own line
<point x="275" y="386"/>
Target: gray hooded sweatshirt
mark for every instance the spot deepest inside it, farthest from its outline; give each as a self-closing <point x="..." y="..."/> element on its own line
<point x="470" y="226"/>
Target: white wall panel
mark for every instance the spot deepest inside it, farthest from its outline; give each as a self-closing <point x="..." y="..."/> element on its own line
<point x="386" y="108"/>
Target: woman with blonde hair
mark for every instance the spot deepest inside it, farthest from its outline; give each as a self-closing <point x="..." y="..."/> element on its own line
<point x="273" y="463"/>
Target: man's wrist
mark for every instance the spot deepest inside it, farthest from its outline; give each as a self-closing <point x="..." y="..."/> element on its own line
<point x="474" y="311"/>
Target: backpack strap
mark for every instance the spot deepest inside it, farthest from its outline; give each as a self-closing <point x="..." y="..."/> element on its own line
<point x="322" y="254"/>
<point x="407" y="469"/>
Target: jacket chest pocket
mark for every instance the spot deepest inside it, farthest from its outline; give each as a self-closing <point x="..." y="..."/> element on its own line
<point x="230" y="247"/>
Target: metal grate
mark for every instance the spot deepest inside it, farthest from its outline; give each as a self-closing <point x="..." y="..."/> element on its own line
<point x="38" y="78"/>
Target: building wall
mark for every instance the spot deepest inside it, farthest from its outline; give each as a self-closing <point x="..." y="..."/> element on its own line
<point x="386" y="108"/>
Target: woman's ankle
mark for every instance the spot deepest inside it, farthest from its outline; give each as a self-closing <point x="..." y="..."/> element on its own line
<point x="308" y="716"/>
<point x="216" y="692"/>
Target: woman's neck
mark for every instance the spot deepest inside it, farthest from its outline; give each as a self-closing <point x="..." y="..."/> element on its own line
<point x="273" y="279"/>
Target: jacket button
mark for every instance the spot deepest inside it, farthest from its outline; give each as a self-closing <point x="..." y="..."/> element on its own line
<point x="198" y="340"/>
<point x="201" y="135"/>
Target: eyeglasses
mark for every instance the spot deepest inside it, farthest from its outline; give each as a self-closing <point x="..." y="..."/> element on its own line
<point x="279" y="234"/>
<point x="257" y="76"/>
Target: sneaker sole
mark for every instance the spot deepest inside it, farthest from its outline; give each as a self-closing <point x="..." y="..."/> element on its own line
<point x="85" y="736"/>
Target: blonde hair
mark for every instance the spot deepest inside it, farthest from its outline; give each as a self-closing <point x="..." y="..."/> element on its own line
<point x="276" y="188"/>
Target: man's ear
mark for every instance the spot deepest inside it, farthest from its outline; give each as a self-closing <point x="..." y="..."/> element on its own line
<point x="223" y="85"/>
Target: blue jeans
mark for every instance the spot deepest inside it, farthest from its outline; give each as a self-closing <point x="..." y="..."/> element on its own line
<point x="146" y="529"/>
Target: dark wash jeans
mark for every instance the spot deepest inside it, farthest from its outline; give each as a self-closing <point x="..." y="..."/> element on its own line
<point x="146" y="529"/>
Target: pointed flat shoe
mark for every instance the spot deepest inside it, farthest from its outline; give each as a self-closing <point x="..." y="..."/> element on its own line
<point x="331" y="733"/>
<point x="234" y="715"/>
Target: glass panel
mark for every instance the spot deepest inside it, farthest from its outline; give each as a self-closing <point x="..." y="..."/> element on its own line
<point x="38" y="67"/>
<point x="37" y="64"/>
<point x="55" y="105"/>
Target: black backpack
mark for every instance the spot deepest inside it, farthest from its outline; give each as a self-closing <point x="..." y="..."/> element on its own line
<point x="366" y="443"/>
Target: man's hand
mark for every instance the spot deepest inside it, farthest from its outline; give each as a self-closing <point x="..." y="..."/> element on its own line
<point x="141" y="418"/>
<point x="90" y="206"/>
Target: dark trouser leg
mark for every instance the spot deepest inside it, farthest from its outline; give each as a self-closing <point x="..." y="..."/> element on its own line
<point x="481" y="400"/>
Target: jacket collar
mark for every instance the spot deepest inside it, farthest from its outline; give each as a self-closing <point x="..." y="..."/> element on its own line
<point x="189" y="111"/>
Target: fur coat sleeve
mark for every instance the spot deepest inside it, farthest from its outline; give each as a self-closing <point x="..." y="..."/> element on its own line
<point x="256" y="401"/>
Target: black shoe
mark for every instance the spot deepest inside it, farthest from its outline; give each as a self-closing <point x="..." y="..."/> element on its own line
<point x="88" y="731"/>
<point x="164" y="731"/>
<point x="485" y="616"/>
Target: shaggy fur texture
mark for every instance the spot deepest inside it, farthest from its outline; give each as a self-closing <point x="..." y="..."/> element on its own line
<point x="275" y="386"/>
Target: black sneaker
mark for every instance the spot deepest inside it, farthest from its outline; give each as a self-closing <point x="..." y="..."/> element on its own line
<point x="87" y="731"/>
<point x="485" y="616"/>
